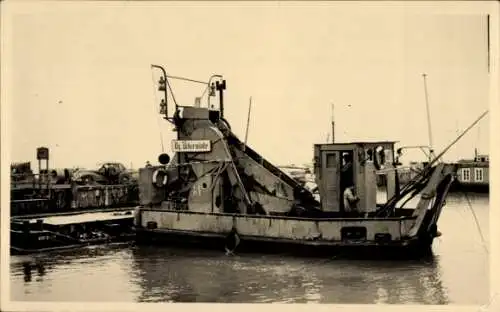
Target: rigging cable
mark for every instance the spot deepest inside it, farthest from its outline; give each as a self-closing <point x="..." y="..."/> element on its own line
<point x="157" y="120"/>
<point x="476" y="221"/>
<point x="427" y="170"/>
<point x="205" y="91"/>
<point x="171" y="92"/>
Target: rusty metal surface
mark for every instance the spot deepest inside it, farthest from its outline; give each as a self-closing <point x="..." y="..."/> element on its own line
<point x="102" y="196"/>
<point x="67" y="198"/>
<point x="327" y="229"/>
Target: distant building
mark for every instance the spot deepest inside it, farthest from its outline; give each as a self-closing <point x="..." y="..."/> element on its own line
<point x="474" y="172"/>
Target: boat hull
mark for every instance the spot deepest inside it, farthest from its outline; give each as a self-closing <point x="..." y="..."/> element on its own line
<point x="410" y="249"/>
<point x="461" y="187"/>
<point x="358" y="237"/>
<point x="64" y="231"/>
<point x="124" y="239"/>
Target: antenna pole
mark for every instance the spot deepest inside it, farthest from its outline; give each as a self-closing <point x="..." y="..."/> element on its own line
<point x="248" y="121"/>
<point x="488" y="40"/>
<point x="333" y="123"/>
<point x="429" y="128"/>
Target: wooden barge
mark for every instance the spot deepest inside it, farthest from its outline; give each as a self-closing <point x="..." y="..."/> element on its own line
<point x="53" y="232"/>
<point x="61" y="209"/>
<point x="217" y="192"/>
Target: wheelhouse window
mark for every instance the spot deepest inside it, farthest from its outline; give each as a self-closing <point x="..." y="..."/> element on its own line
<point x="478" y="174"/>
<point x="466" y="174"/>
<point x="331" y="160"/>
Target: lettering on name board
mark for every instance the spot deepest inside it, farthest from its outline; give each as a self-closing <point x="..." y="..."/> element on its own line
<point x="191" y="146"/>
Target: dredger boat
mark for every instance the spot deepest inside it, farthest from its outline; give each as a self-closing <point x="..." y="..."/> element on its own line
<point x="218" y="192"/>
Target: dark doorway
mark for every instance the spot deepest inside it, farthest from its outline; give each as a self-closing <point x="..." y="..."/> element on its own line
<point x="346" y="175"/>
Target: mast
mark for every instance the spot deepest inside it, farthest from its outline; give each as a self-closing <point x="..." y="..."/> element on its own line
<point x="429" y="127"/>
<point x="248" y="121"/>
<point x="333" y="123"/>
<point x="488" y="40"/>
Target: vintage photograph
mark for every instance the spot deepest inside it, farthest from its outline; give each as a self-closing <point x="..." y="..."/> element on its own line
<point x="247" y="152"/>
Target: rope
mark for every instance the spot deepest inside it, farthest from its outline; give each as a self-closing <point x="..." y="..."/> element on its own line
<point x="427" y="170"/>
<point x="233" y="234"/>
<point x="476" y="221"/>
<point x="187" y="79"/>
<point x="205" y="91"/>
<point x="220" y="169"/>
<point x="171" y="92"/>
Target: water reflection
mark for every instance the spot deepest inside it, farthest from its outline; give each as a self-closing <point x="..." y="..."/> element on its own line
<point x="30" y="267"/>
<point x="184" y="276"/>
<point x="160" y="274"/>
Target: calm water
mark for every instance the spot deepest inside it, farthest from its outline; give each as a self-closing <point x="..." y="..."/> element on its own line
<point x="458" y="275"/>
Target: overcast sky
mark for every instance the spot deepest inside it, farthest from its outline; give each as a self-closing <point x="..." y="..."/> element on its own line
<point x="81" y="77"/>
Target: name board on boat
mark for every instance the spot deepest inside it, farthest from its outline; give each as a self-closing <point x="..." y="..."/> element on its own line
<point x="191" y="146"/>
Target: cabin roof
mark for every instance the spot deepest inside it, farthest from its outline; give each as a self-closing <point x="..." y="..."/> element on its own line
<point x="85" y="218"/>
<point x="473" y="164"/>
<point x="349" y="145"/>
<point x="471" y="161"/>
